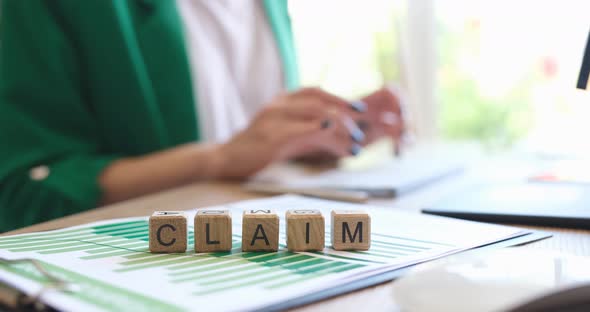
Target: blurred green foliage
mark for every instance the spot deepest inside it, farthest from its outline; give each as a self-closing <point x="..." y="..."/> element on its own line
<point x="386" y="55"/>
<point x="465" y="113"/>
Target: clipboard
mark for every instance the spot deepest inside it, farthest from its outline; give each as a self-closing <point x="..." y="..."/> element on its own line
<point x="10" y="297"/>
<point x="15" y="300"/>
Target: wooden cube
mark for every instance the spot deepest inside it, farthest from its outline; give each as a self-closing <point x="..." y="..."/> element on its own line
<point x="213" y="230"/>
<point x="168" y="232"/>
<point x="305" y="230"/>
<point x="260" y="230"/>
<point x="351" y="230"/>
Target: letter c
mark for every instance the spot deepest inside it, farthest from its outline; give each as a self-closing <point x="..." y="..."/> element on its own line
<point x="159" y="235"/>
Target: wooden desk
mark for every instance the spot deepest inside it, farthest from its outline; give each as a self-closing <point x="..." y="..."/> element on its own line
<point x="375" y="298"/>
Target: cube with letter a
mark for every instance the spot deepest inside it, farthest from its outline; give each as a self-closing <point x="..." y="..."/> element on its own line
<point x="213" y="230"/>
<point x="351" y="230"/>
<point x="168" y="232"/>
<point x="260" y="230"/>
<point x="305" y="230"/>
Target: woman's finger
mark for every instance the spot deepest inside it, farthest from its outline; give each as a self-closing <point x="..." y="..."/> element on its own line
<point x="300" y="129"/>
<point x="390" y="102"/>
<point x="328" y="98"/>
<point x="306" y="108"/>
<point x="340" y="141"/>
<point x="301" y="137"/>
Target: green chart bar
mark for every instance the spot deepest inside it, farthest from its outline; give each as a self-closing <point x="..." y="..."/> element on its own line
<point x="108" y="255"/>
<point x="289" y="282"/>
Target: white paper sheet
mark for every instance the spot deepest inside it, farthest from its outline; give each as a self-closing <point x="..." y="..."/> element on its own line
<point x="111" y="270"/>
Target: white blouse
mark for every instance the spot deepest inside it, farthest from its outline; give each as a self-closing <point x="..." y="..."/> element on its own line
<point x="235" y="64"/>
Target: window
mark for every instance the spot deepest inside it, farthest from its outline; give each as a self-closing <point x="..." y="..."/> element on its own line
<point x="501" y="72"/>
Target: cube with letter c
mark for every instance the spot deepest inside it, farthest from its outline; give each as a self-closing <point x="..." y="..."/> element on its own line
<point x="168" y="232"/>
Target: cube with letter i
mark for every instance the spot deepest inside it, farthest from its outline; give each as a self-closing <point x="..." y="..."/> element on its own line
<point x="260" y="230"/>
<point x="351" y="230"/>
<point x="168" y="232"/>
<point x="305" y="230"/>
<point x="213" y="230"/>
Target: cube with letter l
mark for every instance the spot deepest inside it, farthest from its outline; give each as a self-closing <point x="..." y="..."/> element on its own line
<point x="213" y="230"/>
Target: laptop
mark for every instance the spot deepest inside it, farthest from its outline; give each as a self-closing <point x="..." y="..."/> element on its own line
<point x="533" y="203"/>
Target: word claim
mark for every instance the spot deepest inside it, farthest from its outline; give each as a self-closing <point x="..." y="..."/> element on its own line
<point x="305" y="230"/>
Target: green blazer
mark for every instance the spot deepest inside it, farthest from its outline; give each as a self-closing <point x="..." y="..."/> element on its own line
<point x="83" y="82"/>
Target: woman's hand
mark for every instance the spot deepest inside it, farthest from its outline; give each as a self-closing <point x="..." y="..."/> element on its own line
<point x="306" y="122"/>
<point x="293" y="125"/>
<point x="382" y="116"/>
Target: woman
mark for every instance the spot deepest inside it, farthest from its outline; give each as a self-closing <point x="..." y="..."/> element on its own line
<point x="106" y="100"/>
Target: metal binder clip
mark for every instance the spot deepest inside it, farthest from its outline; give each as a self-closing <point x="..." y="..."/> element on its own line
<point x="55" y="283"/>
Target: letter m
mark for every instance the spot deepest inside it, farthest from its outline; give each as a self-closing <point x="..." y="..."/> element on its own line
<point x="352" y="237"/>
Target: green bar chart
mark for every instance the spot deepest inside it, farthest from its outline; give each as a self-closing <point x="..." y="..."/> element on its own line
<point x="107" y="265"/>
<point x="126" y="243"/>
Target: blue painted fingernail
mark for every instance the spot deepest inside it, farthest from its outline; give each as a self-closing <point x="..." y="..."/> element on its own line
<point x="355" y="149"/>
<point x="358" y="106"/>
<point x="326" y="123"/>
<point x="357" y="135"/>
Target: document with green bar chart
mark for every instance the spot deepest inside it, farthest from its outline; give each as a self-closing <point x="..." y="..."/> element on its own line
<point x="108" y="267"/>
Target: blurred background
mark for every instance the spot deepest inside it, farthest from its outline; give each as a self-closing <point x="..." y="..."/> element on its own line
<point x="501" y="73"/>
